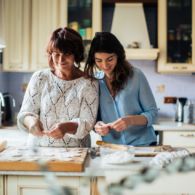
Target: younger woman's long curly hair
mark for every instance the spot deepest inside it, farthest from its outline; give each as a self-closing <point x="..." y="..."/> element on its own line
<point x="106" y="42"/>
<point x="67" y="41"/>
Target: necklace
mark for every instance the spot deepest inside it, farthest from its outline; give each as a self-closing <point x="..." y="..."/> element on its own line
<point x="109" y="85"/>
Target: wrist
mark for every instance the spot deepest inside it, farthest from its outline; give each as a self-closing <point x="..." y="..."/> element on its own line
<point x="30" y="121"/>
<point x="130" y="120"/>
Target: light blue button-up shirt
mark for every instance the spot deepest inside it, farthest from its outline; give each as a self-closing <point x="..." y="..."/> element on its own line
<point x="135" y="99"/>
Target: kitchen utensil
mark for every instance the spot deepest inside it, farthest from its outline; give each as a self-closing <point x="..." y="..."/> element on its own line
<point x="180" y="108"/>
<point x="188" y="112"/>
<point x="112" y="146"/>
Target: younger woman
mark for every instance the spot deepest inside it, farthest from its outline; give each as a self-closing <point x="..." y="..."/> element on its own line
<point x="127" y="107"/>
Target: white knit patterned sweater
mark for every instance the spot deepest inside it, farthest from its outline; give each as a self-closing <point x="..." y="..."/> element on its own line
<point x="54" y="100"/>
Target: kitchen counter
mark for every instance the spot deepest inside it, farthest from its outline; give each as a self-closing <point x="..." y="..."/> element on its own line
<point x="165" y="125"/>
<point x="176" y="134"/>
<point x="15" y="137"/>
<point x="94" y="178"/>
<point x="35" y="182"/>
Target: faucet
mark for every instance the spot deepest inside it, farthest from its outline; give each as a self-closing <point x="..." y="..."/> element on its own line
<point x="2" y="102"/>
<point x="6" y="117"/>
<point x="13" y="100"/>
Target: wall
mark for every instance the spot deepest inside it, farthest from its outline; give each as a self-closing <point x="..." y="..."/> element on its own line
<point x="162" y="85"/>
<point x="3" y="82"/>
<point x="167" y="85"/>
<point x="12" y="83"/>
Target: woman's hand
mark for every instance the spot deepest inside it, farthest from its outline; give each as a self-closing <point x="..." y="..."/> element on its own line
<point x="60" y="129"/>
<point x="57" y="132"/>
<point x="101" y="128"/>
<point x="34" y="125"/>
<point x="120" y="124"/>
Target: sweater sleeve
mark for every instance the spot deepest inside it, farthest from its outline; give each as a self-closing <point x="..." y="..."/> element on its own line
<point x="147" y="100"/>
<point x="88" y="110"/>
<point x="31" y="102"/>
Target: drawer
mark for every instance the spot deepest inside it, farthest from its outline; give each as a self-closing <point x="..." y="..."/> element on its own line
<point x="179" y="139"/>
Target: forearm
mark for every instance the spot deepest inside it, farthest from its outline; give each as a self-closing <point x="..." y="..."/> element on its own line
<point x="29" y="121"/>
<point x="137" y="120"/>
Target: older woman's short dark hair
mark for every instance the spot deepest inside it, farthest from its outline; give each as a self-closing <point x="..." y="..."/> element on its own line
<point x="67" y="41"/>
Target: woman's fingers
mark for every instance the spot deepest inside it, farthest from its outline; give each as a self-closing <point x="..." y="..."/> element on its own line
<point x="102" y="130"/>
<point x="119" y="125"/>
<point x="36" y="130"/>
<point x="55" y="133"/>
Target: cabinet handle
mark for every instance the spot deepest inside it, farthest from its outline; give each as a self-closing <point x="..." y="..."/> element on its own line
<point x="187" y="135"/>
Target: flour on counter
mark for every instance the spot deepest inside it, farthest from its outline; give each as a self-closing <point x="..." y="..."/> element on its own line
<point x="118" y="157"/>
<point x="45" y="153"/>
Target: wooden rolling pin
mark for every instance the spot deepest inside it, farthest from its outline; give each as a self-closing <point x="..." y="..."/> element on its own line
<point x="155" y="150"/>
<point x="3" y="145"/>
<point x="123" y="147"/>
<point x="112" y="146"/>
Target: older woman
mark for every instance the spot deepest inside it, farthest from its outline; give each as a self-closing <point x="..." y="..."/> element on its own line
<point x="60" y="104"/>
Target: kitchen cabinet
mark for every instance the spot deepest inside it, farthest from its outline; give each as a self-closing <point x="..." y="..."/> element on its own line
<point x="176" y="35"/>
<point x="86" y="22"/>
<point x="183" y="138"/>
<point x="30" y="185"/>
<point x="44" y="21"/>
<point x="16" y="29"/>
<point x="1" y="185"/>
<point x="142" y="54"/>
<point x="28" y="26"/>
<point x="150" y="13"/>
<point x="176" y="134"/>
<point x="59" y="14"/>
<point x="164" y="184"/>
<point x="167" y="183"/>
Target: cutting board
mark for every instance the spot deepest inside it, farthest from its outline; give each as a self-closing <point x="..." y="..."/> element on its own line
<point x="46" y="158"/>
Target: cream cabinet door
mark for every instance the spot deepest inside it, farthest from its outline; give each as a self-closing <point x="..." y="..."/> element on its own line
<point x="1" y="185"/>
<point x="28" y="26"/>
<point x="31" y="185"/>
<point x="45" y="18"/>
<point x="16" y="28"/>
<point x="176" y="35"/>
<point x="47" y="15"/>
<point x="179" y="138"/>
